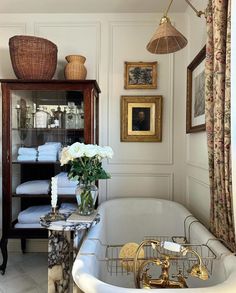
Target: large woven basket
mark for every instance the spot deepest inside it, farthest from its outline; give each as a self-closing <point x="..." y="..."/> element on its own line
<point x="33" y="57"/>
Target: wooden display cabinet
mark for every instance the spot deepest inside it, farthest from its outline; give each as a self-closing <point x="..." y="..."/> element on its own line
<point x="20" y="100"/>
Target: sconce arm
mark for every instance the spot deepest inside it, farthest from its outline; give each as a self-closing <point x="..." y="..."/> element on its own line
<point x="199" y="13"/>
<point x="168" y="8"/>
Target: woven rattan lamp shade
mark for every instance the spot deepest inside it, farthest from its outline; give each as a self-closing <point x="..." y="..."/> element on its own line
<point x="166" y="39"/>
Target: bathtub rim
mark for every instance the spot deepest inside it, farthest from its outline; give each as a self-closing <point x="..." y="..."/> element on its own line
<point x="82" y="275"/>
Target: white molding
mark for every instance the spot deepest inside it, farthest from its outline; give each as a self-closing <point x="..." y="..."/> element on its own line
<point x="98" y="51"/>
<point x="171" y="110"/>
<point x="96" y="24"/>
<point x="196" y="180"/>
<point x="169" y="161"/>
<point x="190" y="162"/>
<point x="139" y="162"/>
<point x="170" y="177"/>
<point x="197" y="165"/>
<point x="19" y="25"/>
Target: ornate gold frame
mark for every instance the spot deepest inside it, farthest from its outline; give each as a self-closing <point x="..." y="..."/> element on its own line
<point x="129" y="65"/>
<point x="190" y="69"/>
<point x="154" y="103"/>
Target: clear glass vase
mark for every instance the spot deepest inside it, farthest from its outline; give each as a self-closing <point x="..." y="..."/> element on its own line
<point x="86" y="196"/>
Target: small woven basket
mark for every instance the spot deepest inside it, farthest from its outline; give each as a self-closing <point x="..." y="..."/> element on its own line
<point x="33" y="57"/>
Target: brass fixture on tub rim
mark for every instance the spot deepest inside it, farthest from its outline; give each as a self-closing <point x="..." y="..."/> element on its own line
<point x="143" y="279"/>
<point x="180" y="264"/>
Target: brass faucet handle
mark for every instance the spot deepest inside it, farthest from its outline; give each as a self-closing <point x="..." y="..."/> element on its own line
<point x="179" y="275"/>
<point x="158" y="262"/>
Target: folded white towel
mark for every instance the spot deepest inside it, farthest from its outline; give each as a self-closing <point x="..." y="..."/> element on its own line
<point x="23" y="226"/>
<point x="57" y="144"/>
<point x="48" y="147"/>
<point x="64" y="181"/>
<point x="26" y="158"/>
<point x="47" y="158"/>
<point x="32" y="214"/>
<point x="66" y="190"/>
<point x="34" y="187"/>
<point x="68" y="208"/>
<point x="48" y="152"/>
<point x="27" y="151"/>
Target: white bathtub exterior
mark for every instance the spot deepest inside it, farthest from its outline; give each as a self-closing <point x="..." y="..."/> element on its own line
<point x="129" y="220"/>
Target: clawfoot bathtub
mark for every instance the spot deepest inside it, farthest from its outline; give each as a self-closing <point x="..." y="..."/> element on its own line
<point x="96" y="270"/>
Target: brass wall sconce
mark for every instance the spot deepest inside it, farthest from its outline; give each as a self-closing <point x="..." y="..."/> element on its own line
<point x="167" y="39"/>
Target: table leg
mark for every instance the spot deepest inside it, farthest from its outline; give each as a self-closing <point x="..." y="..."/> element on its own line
<point x="3" y="247"/>
<point x="58" y="261"/>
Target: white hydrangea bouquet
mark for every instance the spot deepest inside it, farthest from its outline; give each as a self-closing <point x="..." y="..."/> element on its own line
<point x="85" y="162"/>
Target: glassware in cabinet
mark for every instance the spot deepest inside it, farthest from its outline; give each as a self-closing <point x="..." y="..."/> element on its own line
<point x="21" y="99"/>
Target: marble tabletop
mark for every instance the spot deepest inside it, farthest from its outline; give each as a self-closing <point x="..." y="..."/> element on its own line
<point x="65" y="225"/>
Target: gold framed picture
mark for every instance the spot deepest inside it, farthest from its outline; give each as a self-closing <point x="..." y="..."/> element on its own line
<point x="141" y="118"/>
<point x="195" y="108"/>
<point x="140" y="75"/>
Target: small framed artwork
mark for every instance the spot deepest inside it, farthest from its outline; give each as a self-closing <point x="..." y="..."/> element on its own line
<point x="140" y="75"/>
<point x="141" y="118"/>
<point x="195" y="108"/>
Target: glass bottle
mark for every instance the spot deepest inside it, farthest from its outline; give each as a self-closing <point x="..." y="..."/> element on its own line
<point x="58" y="115"/>
<point x="28" y="117"/>
<point x="77" y="123"/>
<point x="63" y="122"/>
<point x="41" y="118"/>
<point x="49" y="116"/>
<point x="81" y="116"/>
<point x="70" y="117"/>
<point x="52" y="123"/>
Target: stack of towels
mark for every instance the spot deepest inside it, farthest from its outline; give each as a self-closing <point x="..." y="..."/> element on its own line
<point x="34" y="187"/>
<point x="27" y="154"/>
<point x="68" y="208"/>
<point x="49" y="151"/>
<point x="64" y="185"/>
<point x="30" y="218"/>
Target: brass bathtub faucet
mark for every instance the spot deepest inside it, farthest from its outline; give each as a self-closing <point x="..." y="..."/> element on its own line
<point x="143" y="278"/>
<point x="164" y="280"/>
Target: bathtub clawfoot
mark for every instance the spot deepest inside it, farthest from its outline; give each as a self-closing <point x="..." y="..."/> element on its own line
<point x="3" y="246"/>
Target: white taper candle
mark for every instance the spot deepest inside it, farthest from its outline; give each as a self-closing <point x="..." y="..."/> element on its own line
<point x="54" y="192"/>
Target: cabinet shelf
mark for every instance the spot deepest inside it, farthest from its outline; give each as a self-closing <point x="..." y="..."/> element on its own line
<point x="60" y="196"/>
<point x="36" y="162"/>
<point x="30" y="195"/>
<point x="31" y="233"/>
<point x="49" y="129"/>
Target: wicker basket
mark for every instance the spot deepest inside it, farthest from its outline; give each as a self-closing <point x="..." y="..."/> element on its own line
<point x="33" y="57"/>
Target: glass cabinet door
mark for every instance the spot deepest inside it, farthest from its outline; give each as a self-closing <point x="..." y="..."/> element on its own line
<point x="39" y="118"/>
<point x="43" y="122"/>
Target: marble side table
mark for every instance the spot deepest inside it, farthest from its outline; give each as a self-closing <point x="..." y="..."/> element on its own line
<point x="61" y="235"/>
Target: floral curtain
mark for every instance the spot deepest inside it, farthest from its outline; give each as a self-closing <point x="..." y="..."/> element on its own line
<point x="218" y="96"/>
